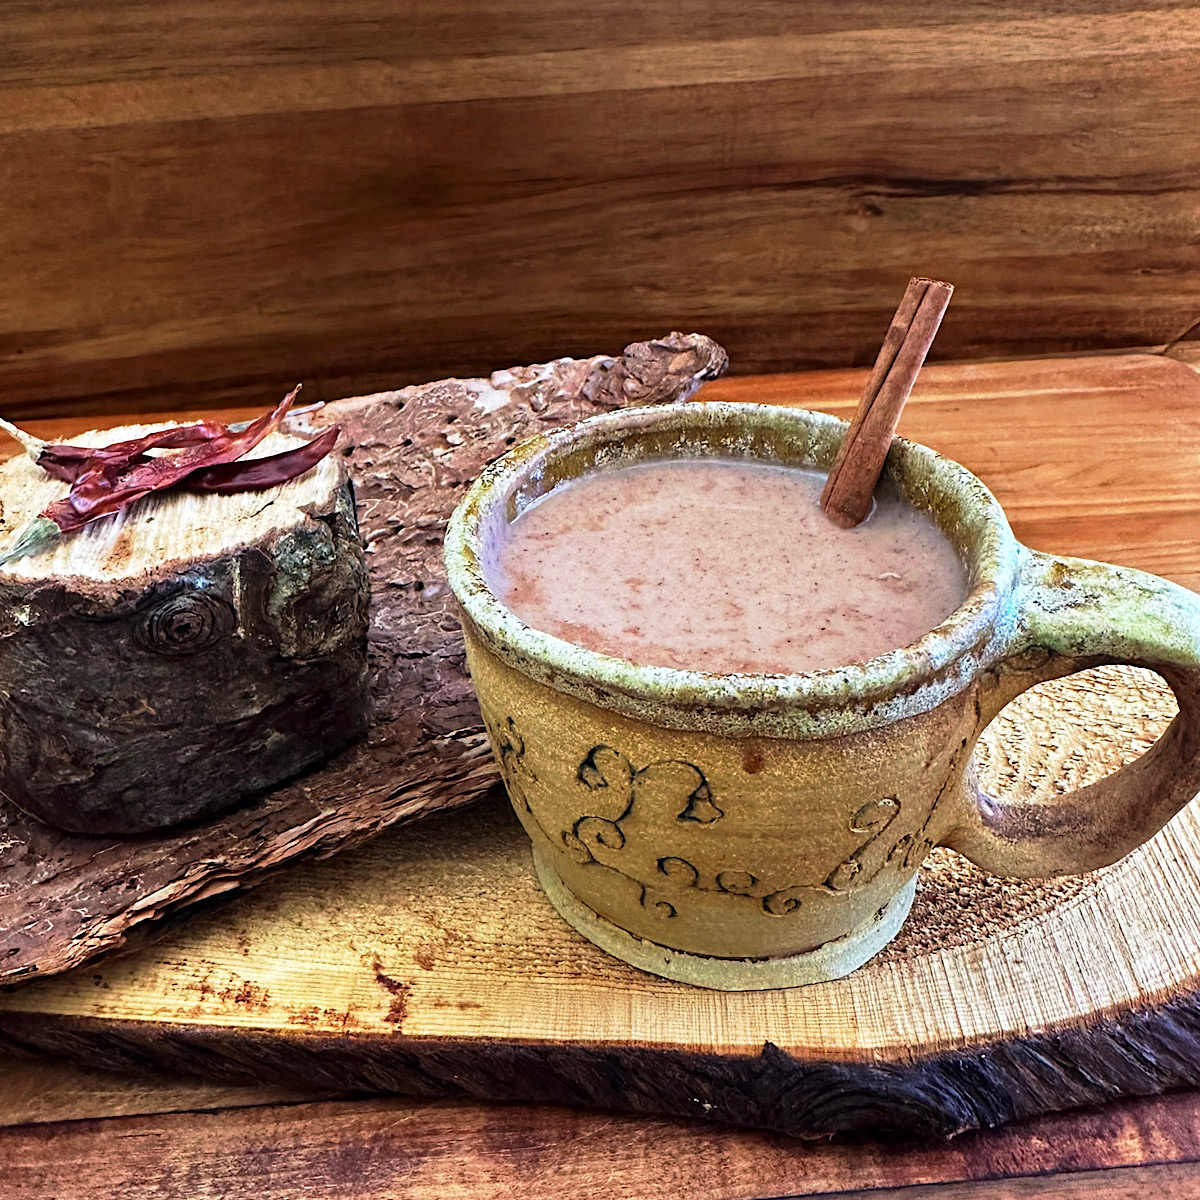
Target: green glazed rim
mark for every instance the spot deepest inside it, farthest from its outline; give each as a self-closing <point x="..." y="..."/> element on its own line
<point x="841" y="700"/>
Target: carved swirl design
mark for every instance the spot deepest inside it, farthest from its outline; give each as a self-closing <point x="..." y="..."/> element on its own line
<point x="873" y="819"/>
<point x="634" y="813"/>
<point x="679" y="870"/>
<point x="875" y="816"/>
<point x="509" y="747"/>
<point x="785" y="901"/>
<point x="186" y="623"/>
<point x="596" y="831"/>
<point x="737" y="883"/>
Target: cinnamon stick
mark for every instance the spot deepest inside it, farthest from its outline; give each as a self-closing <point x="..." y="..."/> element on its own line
<point x="850" y="486"/>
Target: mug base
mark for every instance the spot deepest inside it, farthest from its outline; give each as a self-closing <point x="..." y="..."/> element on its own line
<point x="833" y="960"/>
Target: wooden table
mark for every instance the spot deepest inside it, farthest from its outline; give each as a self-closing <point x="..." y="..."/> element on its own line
<point x="67" y="1132"/>
<point x="70" y="1133"/>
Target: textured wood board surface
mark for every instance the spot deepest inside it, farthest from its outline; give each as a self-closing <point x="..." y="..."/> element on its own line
<point x="66" y="898"/>
<point x="1096" y="457"/>
<point x="40" y="1090"/>
<point x="405" y="1149"/>
<point x="428" y="960"/>
<point x="204" y="199"/>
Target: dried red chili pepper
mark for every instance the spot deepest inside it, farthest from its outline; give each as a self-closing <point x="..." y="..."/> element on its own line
<point x="67" y="462"/>
<point x="108" y="486"/>
<point x="253" y="474"/>
<point x="67" y="470"/>
<point x="244" y="475"/>
<point x="105" y="479"/>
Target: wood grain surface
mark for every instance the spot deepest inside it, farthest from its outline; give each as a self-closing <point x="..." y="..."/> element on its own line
<point x="428" y="961"/>
<point x="204" y="201"/>
<point x="40" y="1090"/>
<point x="404" y="1149"/>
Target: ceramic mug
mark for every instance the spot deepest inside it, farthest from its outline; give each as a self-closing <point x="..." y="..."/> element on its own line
<point x="750" y="831"/>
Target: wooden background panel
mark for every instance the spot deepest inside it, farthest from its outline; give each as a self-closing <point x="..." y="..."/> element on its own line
<point x="201" y="203"/>
<point x="122" y="40"/>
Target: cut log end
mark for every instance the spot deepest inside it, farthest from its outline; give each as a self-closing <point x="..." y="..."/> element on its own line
<point x="177" y="526"/>
<point x="165" y="663"/>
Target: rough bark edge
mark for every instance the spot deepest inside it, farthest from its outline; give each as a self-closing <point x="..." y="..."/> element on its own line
<point x="1136" y="1052"/>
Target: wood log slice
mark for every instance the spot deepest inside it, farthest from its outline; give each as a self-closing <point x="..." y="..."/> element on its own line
<point x="190" y="651"/>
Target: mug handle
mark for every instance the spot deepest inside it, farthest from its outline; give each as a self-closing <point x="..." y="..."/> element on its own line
<point x="1074" y="614"/>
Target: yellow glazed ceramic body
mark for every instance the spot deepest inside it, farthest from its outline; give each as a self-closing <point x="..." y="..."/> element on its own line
<point x="746" y="831"/>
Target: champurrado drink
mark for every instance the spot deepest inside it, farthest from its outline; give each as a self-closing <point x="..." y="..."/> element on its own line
<point x="724" y="565"/>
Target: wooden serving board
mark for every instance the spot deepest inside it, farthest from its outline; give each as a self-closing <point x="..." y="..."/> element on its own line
<point x="429" y="962"/>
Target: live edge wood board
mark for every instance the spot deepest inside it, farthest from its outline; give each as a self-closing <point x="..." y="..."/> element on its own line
<point x="428" y="962"/>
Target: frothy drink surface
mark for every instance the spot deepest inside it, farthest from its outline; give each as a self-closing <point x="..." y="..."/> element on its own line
<point x="724" y="565"/>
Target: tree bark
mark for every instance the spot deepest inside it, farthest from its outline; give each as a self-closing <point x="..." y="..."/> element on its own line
<point x="164" y="664"/>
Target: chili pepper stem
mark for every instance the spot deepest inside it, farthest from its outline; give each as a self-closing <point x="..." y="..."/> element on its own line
<point x="33" y="446"/>
<point x="306" y="410"/>
<point x="34" y="536"/>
